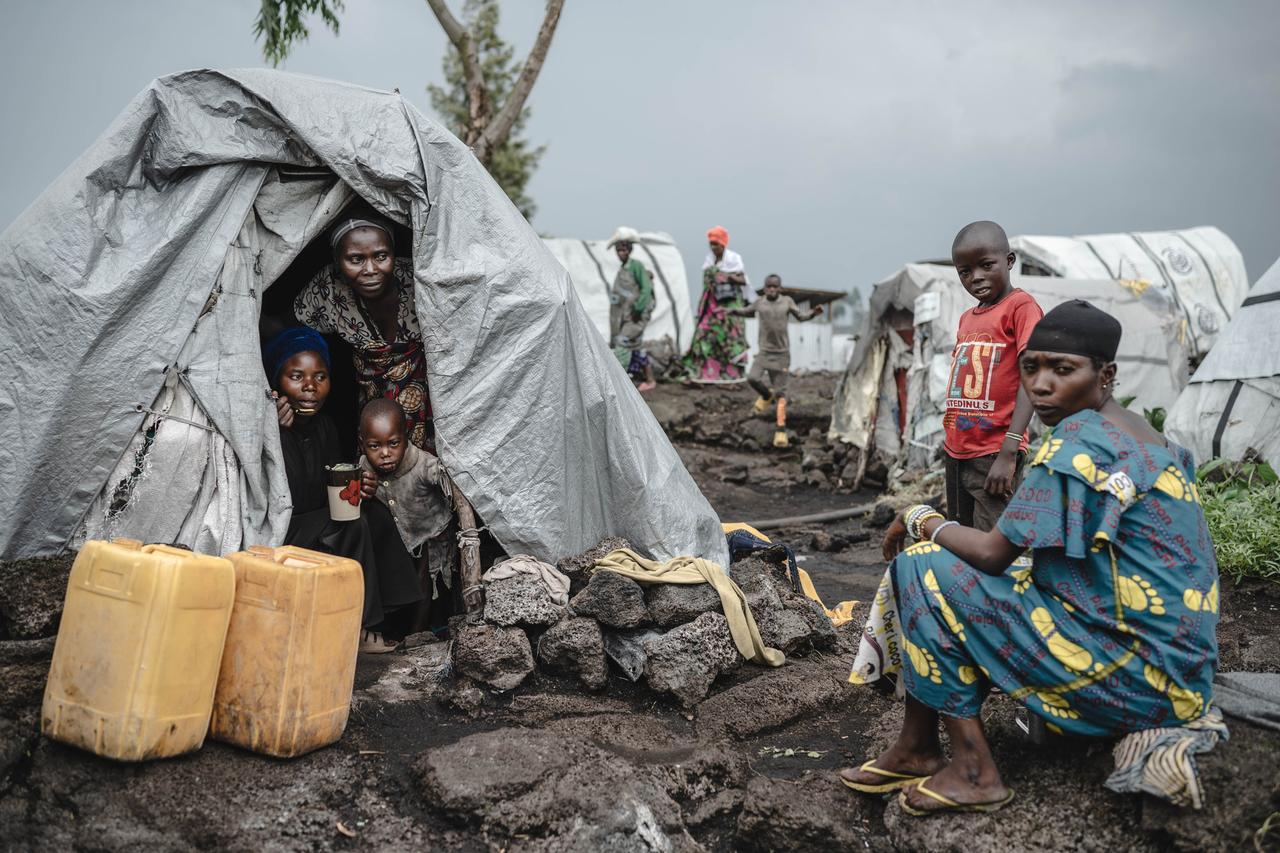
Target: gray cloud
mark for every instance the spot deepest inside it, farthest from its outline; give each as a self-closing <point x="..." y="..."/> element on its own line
<point x="834" y="140"/>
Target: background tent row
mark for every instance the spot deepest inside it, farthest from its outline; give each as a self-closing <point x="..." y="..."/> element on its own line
<point x="889" y="401"/>
<point x="1199" y="270"/>
<point x="147" y="409"/>
<point x="1231" y="407"/>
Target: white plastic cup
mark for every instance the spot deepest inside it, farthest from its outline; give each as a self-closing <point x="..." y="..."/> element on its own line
<point x="344" y="491"/>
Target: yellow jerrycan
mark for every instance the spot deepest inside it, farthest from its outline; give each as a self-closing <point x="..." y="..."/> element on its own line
<point x="290" y="659"/>
<point x="136" y="659"/>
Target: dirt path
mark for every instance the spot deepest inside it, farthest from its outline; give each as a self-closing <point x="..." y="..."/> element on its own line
<point x="545" y="767"/>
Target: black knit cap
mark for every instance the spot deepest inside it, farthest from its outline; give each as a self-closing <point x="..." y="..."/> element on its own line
<point x="1077" y="328"/>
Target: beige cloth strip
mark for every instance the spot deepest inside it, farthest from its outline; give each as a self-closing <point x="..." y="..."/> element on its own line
<point x="691" y="570"/>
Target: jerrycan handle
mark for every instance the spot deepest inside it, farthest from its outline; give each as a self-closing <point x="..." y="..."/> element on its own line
<point x="131" y="544"/>
<point x="287" y="556"/>
<point x="184" y="553"/>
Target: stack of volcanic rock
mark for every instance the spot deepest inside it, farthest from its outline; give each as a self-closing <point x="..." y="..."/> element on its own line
<point x="673" y="637"/>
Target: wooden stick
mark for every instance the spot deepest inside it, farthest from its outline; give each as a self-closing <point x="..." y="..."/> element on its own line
<point x="469" y="549"/>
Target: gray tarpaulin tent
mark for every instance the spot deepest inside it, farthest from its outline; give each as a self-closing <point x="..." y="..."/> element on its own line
<point x="1232" y="404"/>
<point x="132" y="287"/>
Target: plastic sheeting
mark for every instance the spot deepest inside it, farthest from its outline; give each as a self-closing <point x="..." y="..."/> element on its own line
<point x="929" y="298"/>
<point x="592" y="266"/>
<point x="1232" y="404"/>
<point x="1199" y="270"/>
<point x="147" y="258"/>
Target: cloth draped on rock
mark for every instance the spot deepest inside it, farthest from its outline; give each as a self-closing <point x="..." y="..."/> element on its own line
<point x="555" y="582"/>
<point x="744" y="541"/>
<point x="1162" y="761"/>
<point x="692" y="570"/>
<point x="390" y="579"/>
<point x="719" y="348"/>
<point x="1111" y="629"/>
<point x="395" y="369"/>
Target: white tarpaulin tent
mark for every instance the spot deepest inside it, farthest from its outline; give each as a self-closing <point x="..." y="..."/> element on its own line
<point x="133" y="286"/>
<point x="592" y="266"/>
<point x="1232" y="404"/>
<point x="1199" y="269"/>
<point x="928" y="299"/>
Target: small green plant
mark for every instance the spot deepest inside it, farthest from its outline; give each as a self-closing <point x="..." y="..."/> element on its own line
<point x="1242" y="507"/>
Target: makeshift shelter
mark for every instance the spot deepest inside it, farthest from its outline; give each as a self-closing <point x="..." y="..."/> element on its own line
<point x="1198" y="269"/>
<point x="1231" y="407"/>
<point x="133" y="399"/>
<point x="593" y="265"/>
<point x="889" y="401"/>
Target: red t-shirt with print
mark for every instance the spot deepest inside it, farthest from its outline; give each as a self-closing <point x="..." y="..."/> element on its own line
<point x="983" y="386"/>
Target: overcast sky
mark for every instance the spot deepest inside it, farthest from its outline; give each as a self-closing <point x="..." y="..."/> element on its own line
<point x="835" y="140"/>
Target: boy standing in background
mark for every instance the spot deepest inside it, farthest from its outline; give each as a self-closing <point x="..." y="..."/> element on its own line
<point x="987" y="411"/>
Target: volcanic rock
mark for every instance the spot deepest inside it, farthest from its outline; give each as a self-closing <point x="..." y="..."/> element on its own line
<point x="497" y="656"/>
<point x="686" y="660"/>
<point x="576" y="646"/>
<point x="673" y="604"/>
<point x="520" y="600"/>
<point x="614" y="600"/>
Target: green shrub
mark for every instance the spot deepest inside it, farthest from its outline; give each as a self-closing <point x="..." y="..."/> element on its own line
<point x="1242" y="506"/>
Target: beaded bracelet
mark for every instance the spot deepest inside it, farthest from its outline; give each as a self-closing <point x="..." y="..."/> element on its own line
<point x="912" y="515"/>
<point x="916" y="516"/>
<point x="1014" y="435"/>
<point x="934" y="536"/>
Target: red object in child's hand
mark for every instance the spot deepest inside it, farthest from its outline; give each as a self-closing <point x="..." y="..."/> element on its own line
<point x="351" y="494"/>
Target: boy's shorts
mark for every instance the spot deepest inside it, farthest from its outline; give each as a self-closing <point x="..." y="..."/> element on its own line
<point x="779" y="370"/>
<point x="967" y="498"/>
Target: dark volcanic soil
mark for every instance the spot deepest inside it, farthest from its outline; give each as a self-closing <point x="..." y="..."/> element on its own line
<point x="427" y="765"/>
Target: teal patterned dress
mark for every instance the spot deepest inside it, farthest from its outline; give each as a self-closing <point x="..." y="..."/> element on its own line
<point x="1112" y="628"/>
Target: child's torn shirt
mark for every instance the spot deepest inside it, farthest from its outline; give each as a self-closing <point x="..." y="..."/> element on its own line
<point x="417" y="496"/>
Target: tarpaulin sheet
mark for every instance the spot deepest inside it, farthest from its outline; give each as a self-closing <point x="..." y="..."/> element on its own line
<point x="103" y="280"/>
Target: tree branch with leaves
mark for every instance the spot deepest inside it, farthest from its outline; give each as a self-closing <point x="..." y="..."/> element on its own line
<point x="484" y="102"/>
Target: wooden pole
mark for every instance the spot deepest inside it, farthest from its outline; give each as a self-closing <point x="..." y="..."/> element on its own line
<point x="469" y="551"/>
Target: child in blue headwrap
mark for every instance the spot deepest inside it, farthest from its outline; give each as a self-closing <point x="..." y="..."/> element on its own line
<point x="297" y="361"/>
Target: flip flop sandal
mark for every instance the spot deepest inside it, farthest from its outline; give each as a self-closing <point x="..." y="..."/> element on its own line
<point x="948" y="804"/>
<point x="899" y="780"/>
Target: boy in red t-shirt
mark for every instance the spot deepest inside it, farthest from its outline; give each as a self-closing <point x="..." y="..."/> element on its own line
<point x="987" y="411"/>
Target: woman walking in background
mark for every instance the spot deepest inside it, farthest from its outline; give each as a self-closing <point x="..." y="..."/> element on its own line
<point x="719" y="349"/>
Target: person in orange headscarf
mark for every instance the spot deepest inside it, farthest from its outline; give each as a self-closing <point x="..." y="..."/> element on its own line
<point x="719" y="348"/>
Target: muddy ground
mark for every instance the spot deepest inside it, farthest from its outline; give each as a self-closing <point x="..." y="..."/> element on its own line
<point x="546" y="767"/>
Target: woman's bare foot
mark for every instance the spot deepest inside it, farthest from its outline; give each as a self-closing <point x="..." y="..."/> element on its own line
<point x="966" y="782"/>
<point x="897" y="759"/>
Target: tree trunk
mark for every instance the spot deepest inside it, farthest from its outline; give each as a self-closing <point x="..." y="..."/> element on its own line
<point x="486" y="132"/>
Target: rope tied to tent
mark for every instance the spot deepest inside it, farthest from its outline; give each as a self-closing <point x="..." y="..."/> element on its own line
<point x="469" y="536"/>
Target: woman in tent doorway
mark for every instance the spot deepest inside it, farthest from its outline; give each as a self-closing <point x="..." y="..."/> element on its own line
<point x="719" y="348"/>
<point x="366" y="297"/>
<point x="297" y="362"/>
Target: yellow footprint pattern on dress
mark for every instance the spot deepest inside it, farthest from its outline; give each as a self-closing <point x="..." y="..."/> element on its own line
<point x="1021" y="579"/>
<point x="1187" y="704"/>
<point x="1137" y="594"/>
<point x="1057" y="706"/>
<point x="931" y="584"/>
<point x="925" y="664"/>
<point x="1202" y="601"/>
<point x="968" y="674"/>
<point x="924" y="547"/>
<point x="1047" y="448"/>
<point x="1067" y="653"/>
<point x="1174" y="484"/>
